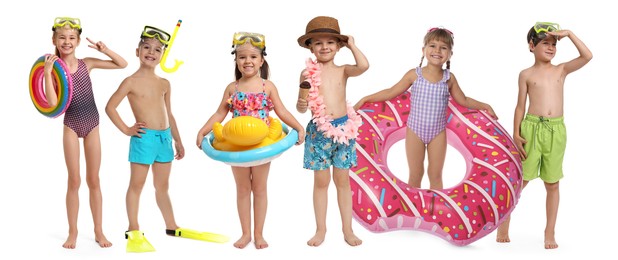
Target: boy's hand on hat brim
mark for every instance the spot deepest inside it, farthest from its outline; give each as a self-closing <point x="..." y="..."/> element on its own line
<point x="349" y="42"/>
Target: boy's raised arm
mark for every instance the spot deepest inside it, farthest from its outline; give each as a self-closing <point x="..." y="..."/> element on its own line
<point x="585" y="55"/>
<point x="362" y="64"/>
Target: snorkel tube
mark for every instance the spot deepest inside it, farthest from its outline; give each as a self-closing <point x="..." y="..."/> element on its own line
<point x="177" y="63"/>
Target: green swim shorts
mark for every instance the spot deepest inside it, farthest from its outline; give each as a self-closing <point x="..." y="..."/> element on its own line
<point x="546" y="142"/>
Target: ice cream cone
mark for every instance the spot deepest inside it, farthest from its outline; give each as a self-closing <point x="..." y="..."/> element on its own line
<point x="304" y="90"/>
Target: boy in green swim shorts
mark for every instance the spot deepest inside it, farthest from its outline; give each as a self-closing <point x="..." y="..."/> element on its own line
<point x="544" y="149"/>
<point x="540" y="135"/>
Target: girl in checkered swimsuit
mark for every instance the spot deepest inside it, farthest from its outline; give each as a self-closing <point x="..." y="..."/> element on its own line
<point x="81" y="120"/>
<point x="428" y="106"/>
<point x="430" y="88"/>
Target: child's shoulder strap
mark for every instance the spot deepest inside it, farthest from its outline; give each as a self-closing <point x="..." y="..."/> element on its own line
<point x="446" y="75"/>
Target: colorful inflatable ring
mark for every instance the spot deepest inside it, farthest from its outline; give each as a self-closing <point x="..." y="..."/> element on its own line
<point x="254" y="156"/>
<point x="461" y="214"/>
<point x="63" y="86"/>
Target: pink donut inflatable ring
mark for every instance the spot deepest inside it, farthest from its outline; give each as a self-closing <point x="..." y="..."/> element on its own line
<point x="461" y="214"/>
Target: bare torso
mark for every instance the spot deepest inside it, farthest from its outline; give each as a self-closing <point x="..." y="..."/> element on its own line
<point x="545" y="91"/>
<point x="148" y="102"/>
<point x="333" y="90"/>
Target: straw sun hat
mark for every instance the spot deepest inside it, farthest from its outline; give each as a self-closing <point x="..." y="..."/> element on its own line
<point x="321" y="26"/>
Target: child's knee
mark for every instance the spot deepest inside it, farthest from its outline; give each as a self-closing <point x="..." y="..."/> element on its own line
<point x="341" y="180"/>
<point x="552" y="187"/>
<point x="321" y="179"/>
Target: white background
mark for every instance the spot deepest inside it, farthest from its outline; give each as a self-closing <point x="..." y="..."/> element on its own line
<point x="489" y="52"/>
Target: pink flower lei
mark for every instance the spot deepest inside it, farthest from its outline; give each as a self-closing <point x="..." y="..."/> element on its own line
<point x="340" y="134"/>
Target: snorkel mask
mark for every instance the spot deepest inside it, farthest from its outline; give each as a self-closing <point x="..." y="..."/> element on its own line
<point x="256" y="39"/>
<point x="153" y="32"/>
<point x="539" y="32"/>
<point x="74" y="23"/>
<point x="541" y="29"/>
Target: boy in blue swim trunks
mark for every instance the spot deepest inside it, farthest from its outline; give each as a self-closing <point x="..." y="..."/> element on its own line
<point x="330" y="135"/>
<point x="540" y="134"/>
<point x="151" y="136"/>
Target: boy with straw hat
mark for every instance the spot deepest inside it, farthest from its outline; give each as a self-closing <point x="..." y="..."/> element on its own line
<point x="333" y="129"/>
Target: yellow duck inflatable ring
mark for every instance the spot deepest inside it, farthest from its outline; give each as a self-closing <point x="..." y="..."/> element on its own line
<point x="246" y="133"/>
<point x="245" y="141"/>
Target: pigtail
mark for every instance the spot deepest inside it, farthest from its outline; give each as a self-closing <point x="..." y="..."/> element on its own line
<point x="237" y="73"/>
<point x="264" y="70"/>
<point x="421" y="64"/>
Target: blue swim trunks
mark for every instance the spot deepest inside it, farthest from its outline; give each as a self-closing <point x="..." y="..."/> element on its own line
<point x="153" y="146"/>
<point x="322" y="152"/>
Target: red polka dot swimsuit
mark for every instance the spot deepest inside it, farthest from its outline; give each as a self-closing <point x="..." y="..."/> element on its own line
<point x="82" y="115"/>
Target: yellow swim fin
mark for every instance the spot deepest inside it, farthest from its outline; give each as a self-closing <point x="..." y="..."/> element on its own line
<point x="137" y="242"/>
<point x="197" y="235"/>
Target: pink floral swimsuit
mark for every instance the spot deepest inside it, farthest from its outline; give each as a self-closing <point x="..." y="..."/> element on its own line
<point x="250" y="104"/>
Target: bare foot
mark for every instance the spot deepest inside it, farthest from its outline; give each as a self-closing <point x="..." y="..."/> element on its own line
<point x="242" y="241"/>
<point x="71" y="242"/>
<point x="550" y="241"/>
<point x="550" y="244"/>
<point x="352" y="239"/>
<point x="102" y="240"/>
<point x="260" y="243"/>
<point x="317" y="239"/>
<point x="502" y="236"/>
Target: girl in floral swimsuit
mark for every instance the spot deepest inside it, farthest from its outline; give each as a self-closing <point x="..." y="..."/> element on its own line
<point x="251" y="94"/>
